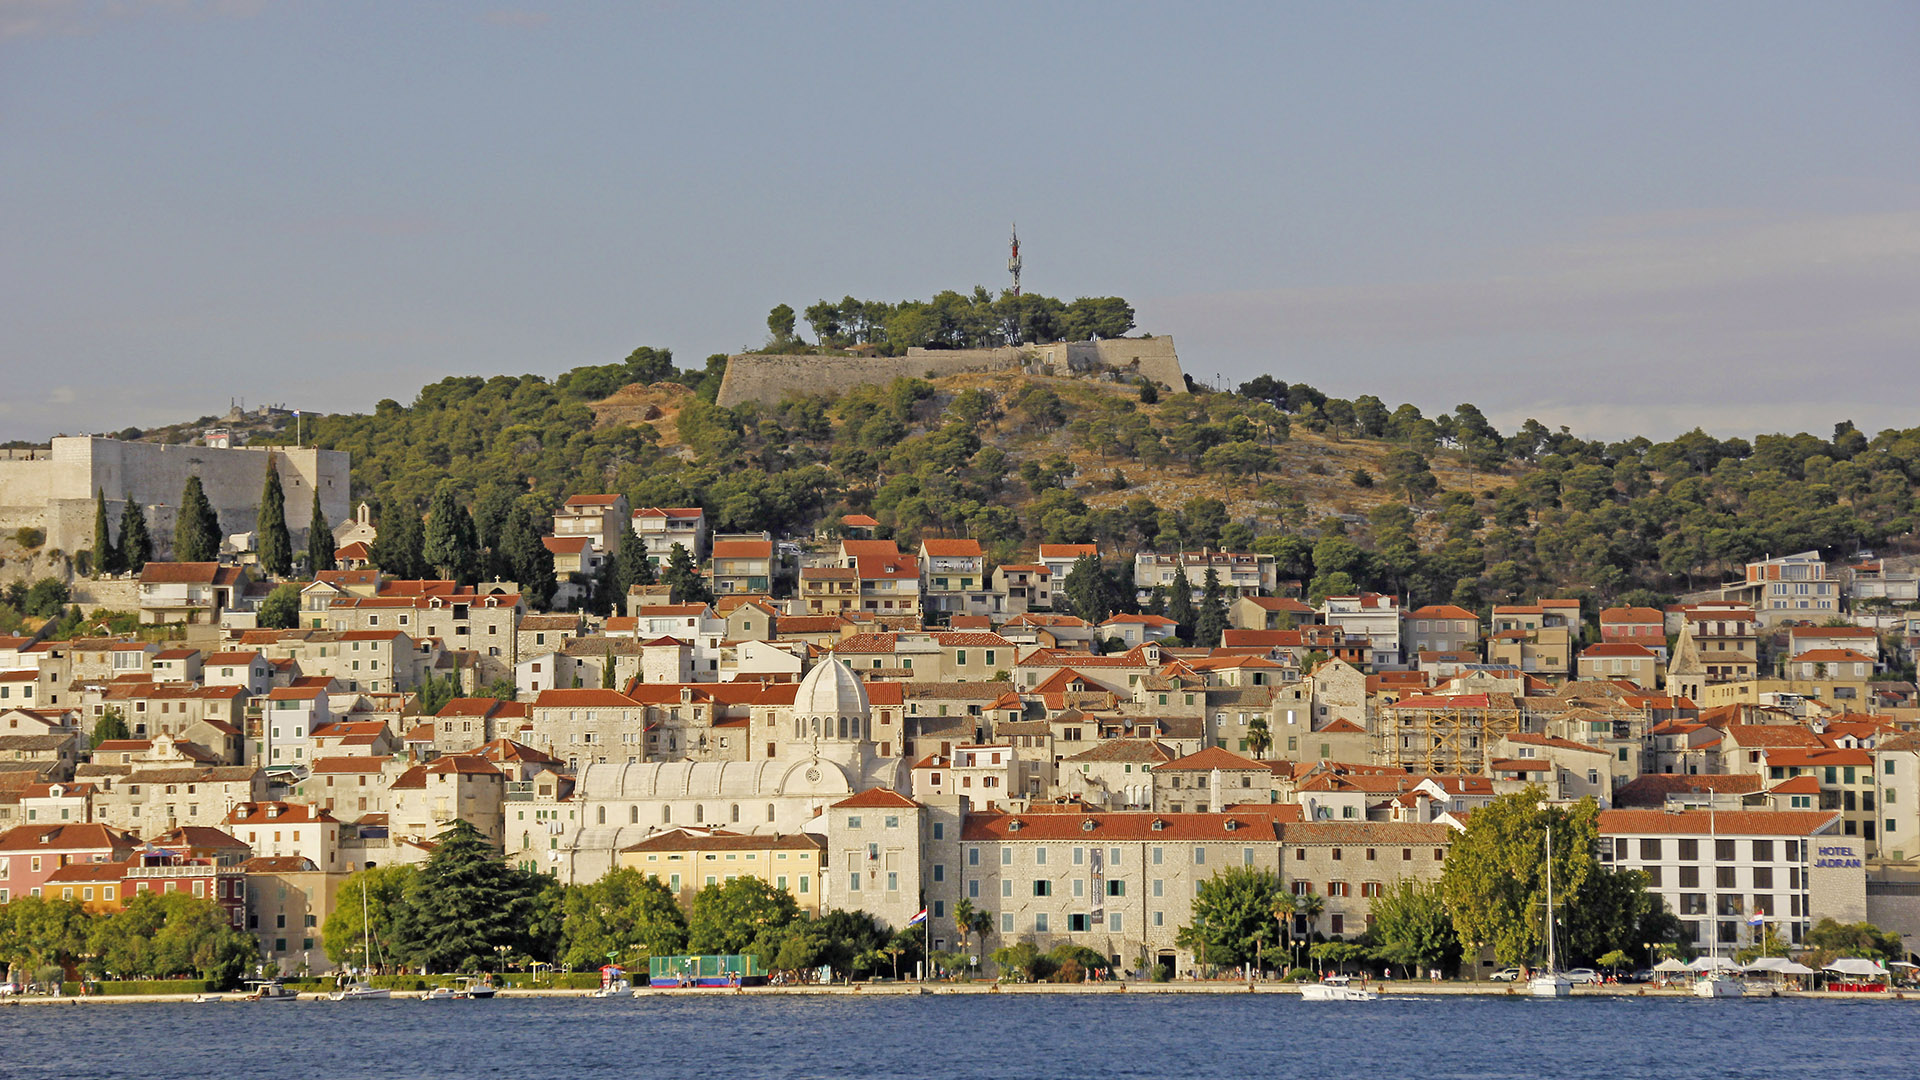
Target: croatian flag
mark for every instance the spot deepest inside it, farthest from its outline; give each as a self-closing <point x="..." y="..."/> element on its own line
<point x="1758" y="918"/>
<point x="918" y="919"/>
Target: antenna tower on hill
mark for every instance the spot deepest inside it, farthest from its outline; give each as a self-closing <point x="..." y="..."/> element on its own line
<point x="1013" y="263"/>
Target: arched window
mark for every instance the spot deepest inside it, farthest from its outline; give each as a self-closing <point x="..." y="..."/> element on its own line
<point x="633" y="814"/>
<point x="666" y="815"/>
<point x="526" y="841"/>
<point x="699" y="813"/>
<point x="736" y="813"/>
<point x="843" y="727"/>
<point x="769" y="811"/>
<point x="603" y="815"/>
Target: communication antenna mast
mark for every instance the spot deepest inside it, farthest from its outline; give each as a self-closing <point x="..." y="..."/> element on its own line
<point x="1013" y="263"/>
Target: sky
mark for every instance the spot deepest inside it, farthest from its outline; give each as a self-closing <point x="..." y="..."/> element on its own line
<point x="1626" y="218"/>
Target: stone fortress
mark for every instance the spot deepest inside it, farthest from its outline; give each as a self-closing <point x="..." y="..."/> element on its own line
<point x="768" y="378"/>
<point x="53" y="489"/>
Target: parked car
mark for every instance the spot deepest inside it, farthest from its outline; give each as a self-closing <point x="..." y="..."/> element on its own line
<point x="1511" y="974"/>
<point x="1583" y="975"/>
<point x="1644" y="975"/>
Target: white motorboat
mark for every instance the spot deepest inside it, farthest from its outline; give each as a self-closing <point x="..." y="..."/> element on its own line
<point x="1337" y="989"/>
<point x="1718" y="984"/>
<point x="208" y="999"/>
<point x="479" y="989"/>
<point x="359" y="991"/>
<point x="269" y="990"/>
<point x="440" y="993"/>
<point x="613" y="988"/>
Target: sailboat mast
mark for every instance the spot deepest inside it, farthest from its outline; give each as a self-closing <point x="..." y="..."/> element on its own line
<point x="1551" y="964"/>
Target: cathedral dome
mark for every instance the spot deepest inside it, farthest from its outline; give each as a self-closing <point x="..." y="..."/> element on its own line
<point x="830" y="689"/>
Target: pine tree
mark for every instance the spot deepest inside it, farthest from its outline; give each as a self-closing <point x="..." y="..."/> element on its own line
<point x="136" y="544"/>
<point x="1211" y="622"/>
<point x="526" y="557"/>
<point x="196" y="531"/>
<point x="396" y="547"/>
<point x="1086" y="589"/>
<point x="634" y="566"/>
<point x="275" y="546"/>
<point x="319" y="540"/>
<point x="688" y="586"/>
<point x="106" y="557"/>
<point x="1180" y="605"/>
<point x="449" y="545"/>
<point x="468" y="903"/>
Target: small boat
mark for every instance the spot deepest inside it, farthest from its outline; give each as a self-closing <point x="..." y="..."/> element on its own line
<point x="269" y="990"/>
<point x="1338" y="988"/>
<point x="208" y="999"/>
<point x="479" y="989"/>
<point x="613" y="988"/>
<point x="1718" y="984"/>
<point x="440" y="993"/>
<point x="359" y="991"/>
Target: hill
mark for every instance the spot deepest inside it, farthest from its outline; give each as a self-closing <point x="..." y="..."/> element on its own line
<point x="1349" y="494"/>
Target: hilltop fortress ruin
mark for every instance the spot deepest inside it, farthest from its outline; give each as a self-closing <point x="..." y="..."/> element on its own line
<point x="767" y="378"/>
<point x="53" y="489"/>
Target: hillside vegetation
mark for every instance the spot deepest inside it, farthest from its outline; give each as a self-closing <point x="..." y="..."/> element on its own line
<point x="1349" y="494"/>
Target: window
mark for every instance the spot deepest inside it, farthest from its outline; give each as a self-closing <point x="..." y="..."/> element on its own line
<point x="939" y="872"/>
<point x="1199" y="856"/>
<point x="973" y="856"/>
<point x="1115" y="923"/>
<point x="1043" y="888"/>
<point x="1006" y="887"/>
<point x="1077" y="923"/>
<point x="1650" y="851"/>
<point x="1116" y="887"/>
<point x="1040" y="922"/>
<point x="1006" y="922"/>
<point x="1006" y="856"/>
<point x="973" y="888"/>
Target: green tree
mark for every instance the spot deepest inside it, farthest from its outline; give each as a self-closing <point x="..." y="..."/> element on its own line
<point x="1407" y="472"/>
<point x="685" y="578"/>
<point x="196" y="529"/>
<point x="624" y="912"/>
<point x="727" y="917"/>
<point x="388" y="892"/>
<point x="46" y="598"/>
<point x="1412" y="928"/>
<point x="1233" y="915"/>
<point x="136" y="544"/>
<point x="281" y="609"/>
<point x="631" y="566"/>
<point x="432" y="693"/>
<point x="526" y="557"/>
<point x="468" y="902"/>
<point x="319" y="540"/>
<point x="1087" y="590"/>
<point x="1259" y="736"/>
<point x="106" y="557"/>
<point x="780" y="327"/>
<point x="1830" y="939"/>
<point x="397" y="543"/>
<point x="1180" y="605"/>
<point x="1495" y="876"/>
<point x="1024" y="959"/>
<point x="450" y="545"/>
<point x="275" y="544"/>
<point x="165" y="935"/>
<point x="1211" y="620"/>
<point x="112" y="724"/>
<point x="36" y="932"/>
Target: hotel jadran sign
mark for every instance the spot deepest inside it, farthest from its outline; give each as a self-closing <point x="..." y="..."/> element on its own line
<point x="1835" y="856"/>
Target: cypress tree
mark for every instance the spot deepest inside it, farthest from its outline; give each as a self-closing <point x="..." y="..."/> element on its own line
<point x="1211" y="622"/>
<point x="276" y="547"/>
<point x="396" y="547"/>
<point x="449" y="545"/>
<point x="1180" y="605"/>
<point x="106" y="558"/>
<point x="526" y="558"/>
<point x="319" y="540"/>
<point x="196" y="532"/>
<point x="136" y="544"/>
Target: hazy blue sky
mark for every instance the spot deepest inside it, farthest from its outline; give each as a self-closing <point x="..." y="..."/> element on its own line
<point x="1622" y="217"/>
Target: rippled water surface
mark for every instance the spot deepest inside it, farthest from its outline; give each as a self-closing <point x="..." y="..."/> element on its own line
<point x="1012" y="1037"/>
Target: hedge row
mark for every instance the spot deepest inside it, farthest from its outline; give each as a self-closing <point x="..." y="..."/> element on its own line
<point x="154" y="986"/>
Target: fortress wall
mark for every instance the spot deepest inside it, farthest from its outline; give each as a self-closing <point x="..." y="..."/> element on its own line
<point x="57" y="494"/>
<point x="769" y="378"/>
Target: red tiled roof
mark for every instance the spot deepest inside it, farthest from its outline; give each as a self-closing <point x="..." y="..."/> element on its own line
<point x="1127" y="826"/>
<point x="877" y="798"/>
<point x="952" y="549"/>
<point x="1722" y="822"/>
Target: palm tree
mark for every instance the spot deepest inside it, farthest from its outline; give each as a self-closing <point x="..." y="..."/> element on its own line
<point x="1309" y="906"/>
<point x="963" y="913"/>
<point x="1259" y="738"/>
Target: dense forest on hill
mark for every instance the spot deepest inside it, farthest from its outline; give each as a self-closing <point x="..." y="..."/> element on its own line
<point x="1019" y="461"/>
